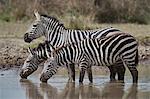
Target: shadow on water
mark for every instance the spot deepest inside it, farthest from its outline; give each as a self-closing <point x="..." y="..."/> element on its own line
<point x="12" y="87"/>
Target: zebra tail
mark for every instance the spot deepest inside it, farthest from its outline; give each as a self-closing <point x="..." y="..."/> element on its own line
<point x="136" y="58"/>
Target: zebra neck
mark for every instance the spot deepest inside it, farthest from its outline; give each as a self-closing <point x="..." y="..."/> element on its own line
<point x="56" y="37"/>
<point x="41" y="52"/>
<point x="73" y="36"/>
<point x="68" y="54"/>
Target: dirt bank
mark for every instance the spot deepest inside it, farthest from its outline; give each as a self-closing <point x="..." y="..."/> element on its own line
<point x="13" y="53"/>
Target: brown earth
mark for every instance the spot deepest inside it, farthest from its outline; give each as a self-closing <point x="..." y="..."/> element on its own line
<point x="13" y="53"/>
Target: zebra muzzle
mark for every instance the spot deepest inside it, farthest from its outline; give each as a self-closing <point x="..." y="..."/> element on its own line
<point x="25" y="73"/>
<point x="26" y="38"/>
<point x="22" y="75"/>
<point x="43" y="78"/>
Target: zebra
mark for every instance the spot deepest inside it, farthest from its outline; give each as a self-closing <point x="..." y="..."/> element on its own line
<point x="39" y="55"/>
<point x="58" y="35"/>
<point x="91" y="52"/>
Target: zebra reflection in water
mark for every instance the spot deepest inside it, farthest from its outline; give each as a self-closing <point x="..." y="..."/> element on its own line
<point x="38" y="91"/>
<point x="71" y="91"/>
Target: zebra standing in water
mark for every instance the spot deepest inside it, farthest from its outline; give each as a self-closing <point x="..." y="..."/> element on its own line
<point x="58" y="35"/>
<point x="90" y="52"/>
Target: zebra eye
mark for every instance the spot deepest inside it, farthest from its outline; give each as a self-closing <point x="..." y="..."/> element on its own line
<point x="28" y="61"/>
<point x="34" y="25"/>
<point x="49" y="65"/>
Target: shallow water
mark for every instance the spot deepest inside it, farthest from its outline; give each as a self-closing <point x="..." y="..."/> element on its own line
<point x="11" y="87"/>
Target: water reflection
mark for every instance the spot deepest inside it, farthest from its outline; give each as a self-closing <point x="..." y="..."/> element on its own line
<point x="117" y="91"/>
<point x="58" y="88"/>
<point x="79" y="92"/>
<point x="71" y="91"/>
<point x="43" y="91"/>
<point x="132" y="92"/>
<point x="31" y="89"/>
<point x="48" y="91"/>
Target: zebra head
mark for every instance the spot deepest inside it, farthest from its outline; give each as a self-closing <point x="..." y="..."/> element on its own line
<point x="30" y="65"/>
<point x="36" y="30"/>
<point x="43" y="26"/>
<point x="50" y="68"/>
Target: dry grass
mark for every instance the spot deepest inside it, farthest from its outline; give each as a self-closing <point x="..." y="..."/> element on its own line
<point x="18" y="29"/>
<point x="13" y="29"/>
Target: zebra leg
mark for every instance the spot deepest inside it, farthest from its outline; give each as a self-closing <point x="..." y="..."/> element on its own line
<point x="82" y="73"/>
<point x="90" y="76"/>
<point x="82" y="66"/>
<point x="28" y="70"/>
<point x="131" y="63"/>
<point x="121" y="72"/>
<point x="134" y="74"/>
<point x="112" y="73"/>
<point x="50" y="69"/>
<point x="71" y="72"/>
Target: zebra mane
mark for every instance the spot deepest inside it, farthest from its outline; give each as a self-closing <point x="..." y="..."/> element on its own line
<point x="59" y="48"/>
<point x="39" y="46"/>
<point x="50" y="17"/>
<point x="48" y="43"/>
<point x="53" y="18"/>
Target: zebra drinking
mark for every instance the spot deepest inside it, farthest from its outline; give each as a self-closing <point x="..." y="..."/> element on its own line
<point x="58" y="35"/>
<point x="90" y="52"/>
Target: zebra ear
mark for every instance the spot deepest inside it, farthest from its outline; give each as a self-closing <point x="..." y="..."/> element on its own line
<point x="37" y="15"/>
<point x="30" y="51"/>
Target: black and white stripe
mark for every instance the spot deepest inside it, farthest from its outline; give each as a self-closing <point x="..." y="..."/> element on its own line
<point x="36" y="56"/>
<point x="89" y="52"/>
<point x="58" y="35"/>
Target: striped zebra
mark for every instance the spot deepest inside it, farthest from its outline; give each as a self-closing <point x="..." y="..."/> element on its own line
<point x="39" y="55"/>
<point x="91" y="52"/>
<point x="58" y="35"/>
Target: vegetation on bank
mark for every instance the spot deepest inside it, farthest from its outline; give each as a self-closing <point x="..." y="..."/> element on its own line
<point x="97" y="11"/>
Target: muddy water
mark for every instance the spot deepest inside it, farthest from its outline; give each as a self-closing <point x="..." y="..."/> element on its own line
<point x="11" y="87"/>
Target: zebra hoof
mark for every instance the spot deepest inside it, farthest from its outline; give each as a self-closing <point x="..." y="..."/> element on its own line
<point x="70" y="80"/>
<point x="43" y="80"/>
<point x="120" y="81"/>
<point x="90" y="84"/>
<point x="80" y="83"/>
<point x="23" y="76"/>
<point x="113" y="80"/>
<point x="24" y="80"/>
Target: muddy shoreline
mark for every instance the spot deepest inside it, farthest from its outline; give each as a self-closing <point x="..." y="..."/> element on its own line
<point x="13" y="53"/>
